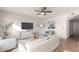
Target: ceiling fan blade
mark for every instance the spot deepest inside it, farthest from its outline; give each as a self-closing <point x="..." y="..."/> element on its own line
<point x="38" y="13"/>
<point x="37" y="10"/>
<point x="47" y="11"/>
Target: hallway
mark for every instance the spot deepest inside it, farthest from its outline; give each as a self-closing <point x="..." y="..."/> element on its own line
<point x="69" y="45"/>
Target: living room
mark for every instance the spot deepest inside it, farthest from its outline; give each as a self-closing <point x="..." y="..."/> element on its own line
<point x="48" y="25"/>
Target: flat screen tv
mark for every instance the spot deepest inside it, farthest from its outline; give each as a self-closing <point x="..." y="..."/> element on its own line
<point x="25" y="25"/>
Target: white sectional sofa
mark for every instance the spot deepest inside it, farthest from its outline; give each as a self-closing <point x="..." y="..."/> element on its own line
<point x="7" y="44"/>
<point x="46" y="44"/>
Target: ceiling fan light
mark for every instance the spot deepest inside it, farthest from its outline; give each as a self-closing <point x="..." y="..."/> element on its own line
<point x="42" y="13"/>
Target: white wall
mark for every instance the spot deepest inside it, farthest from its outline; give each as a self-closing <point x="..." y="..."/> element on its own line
<point x="17" y="19"/>
<point x="69" y="17"/>
<point x="60" y="25"/>
<point x="1" y="22"/>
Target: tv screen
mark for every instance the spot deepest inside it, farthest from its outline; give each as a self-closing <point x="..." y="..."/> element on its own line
<point x="25" y="25"/>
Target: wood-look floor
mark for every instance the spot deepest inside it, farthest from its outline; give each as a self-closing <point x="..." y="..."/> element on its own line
<point x="68" y="45"/>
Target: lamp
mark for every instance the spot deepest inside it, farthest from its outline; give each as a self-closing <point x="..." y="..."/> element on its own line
<point x="42" y="13"/>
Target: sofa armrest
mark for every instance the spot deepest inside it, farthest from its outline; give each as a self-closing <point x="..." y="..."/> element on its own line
<point x="7" y="44"/>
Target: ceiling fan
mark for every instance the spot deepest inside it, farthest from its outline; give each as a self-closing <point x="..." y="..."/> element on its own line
<point x="43" y="11"/>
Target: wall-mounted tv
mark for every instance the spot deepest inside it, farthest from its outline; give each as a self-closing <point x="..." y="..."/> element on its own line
<point x="26" y="25"/>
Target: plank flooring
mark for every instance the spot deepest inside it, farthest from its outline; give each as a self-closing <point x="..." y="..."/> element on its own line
<point x="69" y="45"/>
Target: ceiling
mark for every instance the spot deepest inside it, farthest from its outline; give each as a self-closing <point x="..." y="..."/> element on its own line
<point x="30" y="11"/>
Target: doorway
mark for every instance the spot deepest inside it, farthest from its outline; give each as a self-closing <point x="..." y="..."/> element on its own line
<point x="74" y="27"/>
